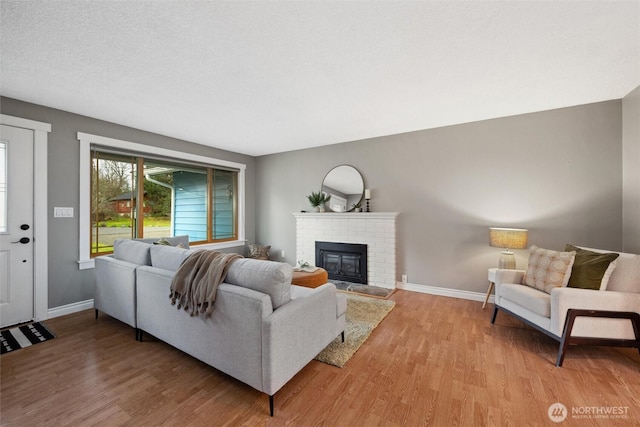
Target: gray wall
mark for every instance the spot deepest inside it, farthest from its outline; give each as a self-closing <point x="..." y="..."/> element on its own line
<point x="557" y="173"/>
<point x="631" y="171"/>
<point x="67" y="284"/>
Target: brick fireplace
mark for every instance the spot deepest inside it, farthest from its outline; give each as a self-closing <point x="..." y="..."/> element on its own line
<point x="377" y="230"/>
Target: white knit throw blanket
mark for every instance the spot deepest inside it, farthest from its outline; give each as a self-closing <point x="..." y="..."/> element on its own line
<point x="196" y="281"/>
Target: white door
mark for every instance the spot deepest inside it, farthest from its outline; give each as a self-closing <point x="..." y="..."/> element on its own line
<point x="16" y="225"/>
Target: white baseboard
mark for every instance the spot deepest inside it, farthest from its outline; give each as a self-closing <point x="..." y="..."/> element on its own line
<point x="445" y="292"/>
<point x="70" y="308"/>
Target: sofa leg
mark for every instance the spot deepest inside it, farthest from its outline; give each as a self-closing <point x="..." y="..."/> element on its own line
<point x="495" y="313"/>
<point x="271" y="404"/>
<point x="139" y="335"/>
<point x="96" y="313"/>
<point x="343" y="336"/>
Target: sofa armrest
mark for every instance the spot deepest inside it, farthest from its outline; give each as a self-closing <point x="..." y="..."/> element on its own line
<point x="507" y="276"/>
<point x="295" y="333"/>
<point x="115" y="292"/>
<point x="562" y="299"/>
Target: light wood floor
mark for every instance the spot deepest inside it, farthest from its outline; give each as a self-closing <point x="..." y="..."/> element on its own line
<point x="434" y="361"/>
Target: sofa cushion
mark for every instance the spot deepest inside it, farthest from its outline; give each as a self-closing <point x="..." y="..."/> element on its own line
<point x="303" y="291"/>
<point x="548" y="269"/>
<point x="269" y="277"/>
<point x="168" y="257"/>
<point x="591" y="270"/>
<point x="525" y="296"/>
<point x="300" y="291"/>
<point x="132" y="251"/>
<point x="626" y="276"/>
<point x="173" y="241"/>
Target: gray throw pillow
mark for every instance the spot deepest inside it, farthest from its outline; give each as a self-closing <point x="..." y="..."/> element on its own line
<point x="168" y="257"/>
<point x="132" y="251"/>
<point x="269" y="277"/>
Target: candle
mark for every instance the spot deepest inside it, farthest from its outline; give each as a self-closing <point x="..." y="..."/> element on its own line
<point x="367" y="194"/>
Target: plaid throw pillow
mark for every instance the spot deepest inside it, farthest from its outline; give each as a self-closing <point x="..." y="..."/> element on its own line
<point x="259" y="251"/>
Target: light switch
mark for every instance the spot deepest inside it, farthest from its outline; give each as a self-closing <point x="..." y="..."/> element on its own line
<point x="62" y="212"/>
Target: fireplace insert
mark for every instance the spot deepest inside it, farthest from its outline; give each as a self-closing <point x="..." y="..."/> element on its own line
<point x="343" y="261"/>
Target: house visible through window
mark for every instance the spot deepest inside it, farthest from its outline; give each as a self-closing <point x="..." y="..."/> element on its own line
<point x="136" y="197"/>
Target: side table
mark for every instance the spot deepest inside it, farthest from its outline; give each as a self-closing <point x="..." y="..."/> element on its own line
<point x="492" y="282"/>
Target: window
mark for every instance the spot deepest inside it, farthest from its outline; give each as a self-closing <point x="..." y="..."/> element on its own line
<point x="137" y="191"/>
<point x="112" y="188"/>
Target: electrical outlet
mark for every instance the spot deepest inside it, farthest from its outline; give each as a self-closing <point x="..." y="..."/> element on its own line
<point x="404" y="279"/>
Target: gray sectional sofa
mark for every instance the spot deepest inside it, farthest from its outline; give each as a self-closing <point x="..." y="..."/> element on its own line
<point x="263" y="330"/>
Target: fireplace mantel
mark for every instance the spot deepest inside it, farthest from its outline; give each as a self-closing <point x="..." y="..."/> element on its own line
<point x="347" y="215"/>
<point x="377" y="230"/>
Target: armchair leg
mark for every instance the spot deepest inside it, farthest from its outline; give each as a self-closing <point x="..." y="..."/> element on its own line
<point x="342" y="336"/>
<point x="567" y="339"/>
<point x="635" y="322"/>
<point x="96" y="313"/>
<point x="566" y="334"/>
<point x="271" y="404"/>
<point x="495" y="313"/>
<point x="139" y="333"/>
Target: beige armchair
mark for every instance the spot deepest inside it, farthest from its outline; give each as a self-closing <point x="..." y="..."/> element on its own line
<point x="607" y="316"/>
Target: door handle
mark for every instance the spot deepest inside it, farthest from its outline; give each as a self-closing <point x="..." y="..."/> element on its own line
<point x="24" y="240"/>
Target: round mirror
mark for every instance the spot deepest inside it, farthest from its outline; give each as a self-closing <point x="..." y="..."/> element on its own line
<point x="345" y="185"/>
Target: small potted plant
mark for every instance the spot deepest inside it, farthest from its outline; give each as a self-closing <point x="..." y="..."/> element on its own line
<point x="318" y="200"/>
<point x="357" y="207"/>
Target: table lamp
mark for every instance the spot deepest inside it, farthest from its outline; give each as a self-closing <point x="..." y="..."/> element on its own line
<point x="508" y="238"/>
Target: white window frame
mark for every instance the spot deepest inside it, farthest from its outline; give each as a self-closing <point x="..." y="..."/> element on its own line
<point x="84" y="216"/>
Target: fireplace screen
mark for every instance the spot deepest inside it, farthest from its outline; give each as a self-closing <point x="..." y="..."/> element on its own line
<point x="343" y="261"/>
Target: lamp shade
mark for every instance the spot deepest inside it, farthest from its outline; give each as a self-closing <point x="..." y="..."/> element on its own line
<point x="509" y="238"/>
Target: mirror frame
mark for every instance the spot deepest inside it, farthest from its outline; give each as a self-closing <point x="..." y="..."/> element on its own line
<point x="356" y="181"/>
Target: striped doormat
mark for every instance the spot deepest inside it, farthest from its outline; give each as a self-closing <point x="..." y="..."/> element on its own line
<point x="23" y="336"/>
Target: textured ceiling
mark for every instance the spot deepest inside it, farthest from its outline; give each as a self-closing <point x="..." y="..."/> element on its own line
<point x="266" y="77"/>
